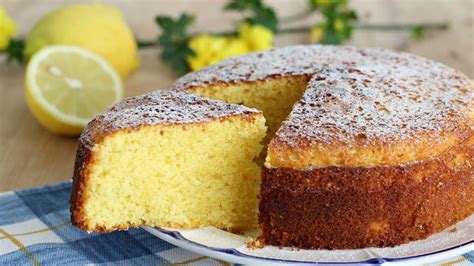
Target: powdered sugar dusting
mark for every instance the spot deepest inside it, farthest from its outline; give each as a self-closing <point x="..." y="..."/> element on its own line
<point x="160" y="107"/>
<point x="381" y="96"/>
<point x="354" y="93"/>
<point x="290" y="61"/>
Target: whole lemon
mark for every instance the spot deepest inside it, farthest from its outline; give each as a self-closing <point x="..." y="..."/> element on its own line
<point x="95" y="27"/>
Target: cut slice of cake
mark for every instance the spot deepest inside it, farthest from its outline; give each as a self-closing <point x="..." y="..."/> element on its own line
<point x="168" y="158"/>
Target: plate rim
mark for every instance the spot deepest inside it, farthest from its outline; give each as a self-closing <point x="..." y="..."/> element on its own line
<point x="235" y="256"/>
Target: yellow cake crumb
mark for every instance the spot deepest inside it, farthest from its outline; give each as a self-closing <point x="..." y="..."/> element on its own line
<point x="184" y="176"/>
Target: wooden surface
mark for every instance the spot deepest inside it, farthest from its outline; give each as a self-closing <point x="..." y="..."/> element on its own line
<point x="30" y="156"/>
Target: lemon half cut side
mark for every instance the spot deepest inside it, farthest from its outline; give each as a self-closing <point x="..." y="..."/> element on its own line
<point x="67" y="86"/>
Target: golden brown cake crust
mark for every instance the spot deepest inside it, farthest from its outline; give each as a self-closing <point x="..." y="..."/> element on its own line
<point x="355" y="207"/>
<point x="83" y="158"/>
<point x="165" y="107"/>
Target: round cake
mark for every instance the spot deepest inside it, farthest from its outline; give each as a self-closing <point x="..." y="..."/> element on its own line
<point x="366" y="147"/>
<point x="377" y="151"/>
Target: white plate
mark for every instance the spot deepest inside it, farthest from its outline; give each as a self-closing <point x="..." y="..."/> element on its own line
<point x="212" y="242"/>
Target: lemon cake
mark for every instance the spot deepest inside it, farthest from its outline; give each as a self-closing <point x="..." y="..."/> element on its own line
<point x="367" y="147"/>
<point x="377" y="151"/>
<point x="168" y="159"/>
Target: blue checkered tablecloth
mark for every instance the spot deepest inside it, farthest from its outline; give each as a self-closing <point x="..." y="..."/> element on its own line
<point x="35" y="229"/>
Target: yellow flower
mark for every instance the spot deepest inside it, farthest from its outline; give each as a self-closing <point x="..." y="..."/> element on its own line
<point x="339" y="25"/>
<point x="316" y="34"/>
<point x="256" y="36"/>
<point x="210" y="49"/>
<point x="7" y="29"/>
<point x="234" y="46"/>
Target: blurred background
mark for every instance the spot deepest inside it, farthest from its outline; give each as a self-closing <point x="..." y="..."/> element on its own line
<point x="32" y="156"/>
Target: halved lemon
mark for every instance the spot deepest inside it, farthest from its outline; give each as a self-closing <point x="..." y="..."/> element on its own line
<point x="67" y="86"/>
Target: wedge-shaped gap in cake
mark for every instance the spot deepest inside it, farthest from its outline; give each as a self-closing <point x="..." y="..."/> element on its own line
<point x="274" y="96"/>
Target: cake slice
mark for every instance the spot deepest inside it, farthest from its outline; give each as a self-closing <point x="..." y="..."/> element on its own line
<point x="170" y="159"/>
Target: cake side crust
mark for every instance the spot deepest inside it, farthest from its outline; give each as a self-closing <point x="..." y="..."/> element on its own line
<point x="80" y="176"/>
<point x="357" y="207"/>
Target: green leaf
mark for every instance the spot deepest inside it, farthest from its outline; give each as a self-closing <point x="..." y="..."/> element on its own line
<point x="267" y="18"/>
<point x="166" y="23"/>
<point x="233" y="6"/>
<point x="174" y="41"/>
<point x="334" y="13"/>
<point x="184" y="21"/>
<point x="350" y="14"/>
<point x="14" y="51"/>
<point x="181" y="66"/>
<point x="170" y="26"/>
<point x="243" y="5"/>
<point x="312" y="5"/>
<point x="259" y="13"/>
<point x="332" y="37"/>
